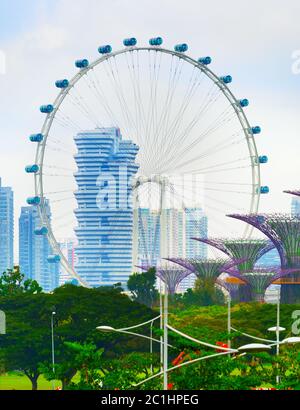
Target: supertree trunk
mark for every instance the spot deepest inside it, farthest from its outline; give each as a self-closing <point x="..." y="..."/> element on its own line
<point x="245" y="294"/>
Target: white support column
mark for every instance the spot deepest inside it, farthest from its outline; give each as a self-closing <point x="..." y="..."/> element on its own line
<point x="165" y="346"/>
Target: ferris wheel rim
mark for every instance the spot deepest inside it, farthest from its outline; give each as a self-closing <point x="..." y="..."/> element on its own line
<point x="47" y="124"/>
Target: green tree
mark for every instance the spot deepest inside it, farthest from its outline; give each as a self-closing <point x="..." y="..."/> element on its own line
<point x="27" y="340"/>
<point x="125" y="372"/>
<point x="142" y="287"/>
<point x="13" y="282"/>
<point x="27" y="343"/>
<point x="84" y="358"/>
<point x="205" y="293"/>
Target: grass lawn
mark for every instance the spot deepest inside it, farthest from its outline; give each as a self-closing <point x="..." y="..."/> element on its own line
<point x="17" y="381"/>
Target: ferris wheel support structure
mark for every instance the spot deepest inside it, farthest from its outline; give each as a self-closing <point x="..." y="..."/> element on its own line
<point x="51" y="113"/>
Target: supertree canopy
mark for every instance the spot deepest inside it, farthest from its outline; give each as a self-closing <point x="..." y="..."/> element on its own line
<point x="170" y="276"/>
<point x="260" y="279"/>
<point x="284" y="232"/>
<point x="208" y="269"/>
<point x="248" y="250"/>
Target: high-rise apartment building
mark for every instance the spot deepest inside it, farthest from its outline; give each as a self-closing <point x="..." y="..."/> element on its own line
<point x="181" y="226"/>
<point x="67" y="247"/>
<point x="106" y="165"/>
<point x="34" y="250"/>
<point x="6" y="228"/>
<point x="295" y="207"/>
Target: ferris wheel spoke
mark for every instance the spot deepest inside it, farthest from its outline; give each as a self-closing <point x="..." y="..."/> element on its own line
<point x="87" y="111"/>
<point x="222" y="202"/>
<point x="172" y="134"/>
<point x="167" y="115"/>
<point x="221" y="164"/>
<point x="211" y="152"/>
<point x="222" y="170"/>
<point x="93" y="83"/>
<point x="202" y="136"/>
<point x="111" y="75"/>
<point x="67" y="120"/>
<point x="58" y="192"/>
<point x="56" y="149"/>
<point x="58" y="167"/>
<point x="188" y="129"/>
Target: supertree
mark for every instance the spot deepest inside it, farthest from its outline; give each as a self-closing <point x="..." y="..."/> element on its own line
<point x="231" y="287"/>
<point x="284" y="232"/>
<point x="249" y="250"/>
<point x="261" y="278"/>
<point x="170" y="276"/>
<point x="208" y="269"/>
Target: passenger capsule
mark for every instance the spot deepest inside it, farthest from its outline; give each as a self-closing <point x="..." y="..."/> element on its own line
<point x="264" y="189"/>
<point x="204" y="60"/>
<point x="263" y="159"/>
<point x="181" y="48"/>
<point x="32" y="169"/>
<point x="156" y="41"/>
<point x="105" y="49"/>
<point x="46" y="109"/>
<point x="41" y="231"/>
<point x="33" y="200"/>
<point x="62" y="83"/>
<point x="256" y="129"/>
<point x="226" y="79"/>
<point x="244" y="102"/>
<point x="129" y="42"/>
<point x="36" y="137"/>
<point x="74" y="282"/>
<point x="53" y="258"/>
<point x="82" y="63"/>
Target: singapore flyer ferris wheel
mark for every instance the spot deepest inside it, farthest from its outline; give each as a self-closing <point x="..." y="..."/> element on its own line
<point x="176" y="125"/>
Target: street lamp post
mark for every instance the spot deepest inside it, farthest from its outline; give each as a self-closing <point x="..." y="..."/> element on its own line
<point x="165" y="344"/>
<point x="229" y="319"/>
<point x="53" y="348"/>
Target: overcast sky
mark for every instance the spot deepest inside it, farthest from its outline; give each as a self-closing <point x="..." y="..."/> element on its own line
<point x="253" y="41"/>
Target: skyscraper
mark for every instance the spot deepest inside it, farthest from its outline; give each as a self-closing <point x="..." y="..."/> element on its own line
<point x="148" y="236"/>
<point x="6" y="228"/>
<point x="181" y="226"/>
<point x="67" y="246"/>
<point x="34" y="249"/>
<point x="106" y="165"/>
<point x="195" y="227"/>
<point x="295" y="207"/>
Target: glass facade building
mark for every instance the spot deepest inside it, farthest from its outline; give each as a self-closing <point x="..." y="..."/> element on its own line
<point x="105" y="168"/>
<point x="6" y="228"/>
<point x="295" y="207"/>
<point x="35" y="249"/>
<point x="67" y="247"/>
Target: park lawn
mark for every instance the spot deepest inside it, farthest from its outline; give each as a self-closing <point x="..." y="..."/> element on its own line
<point x="18" y="381"/>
